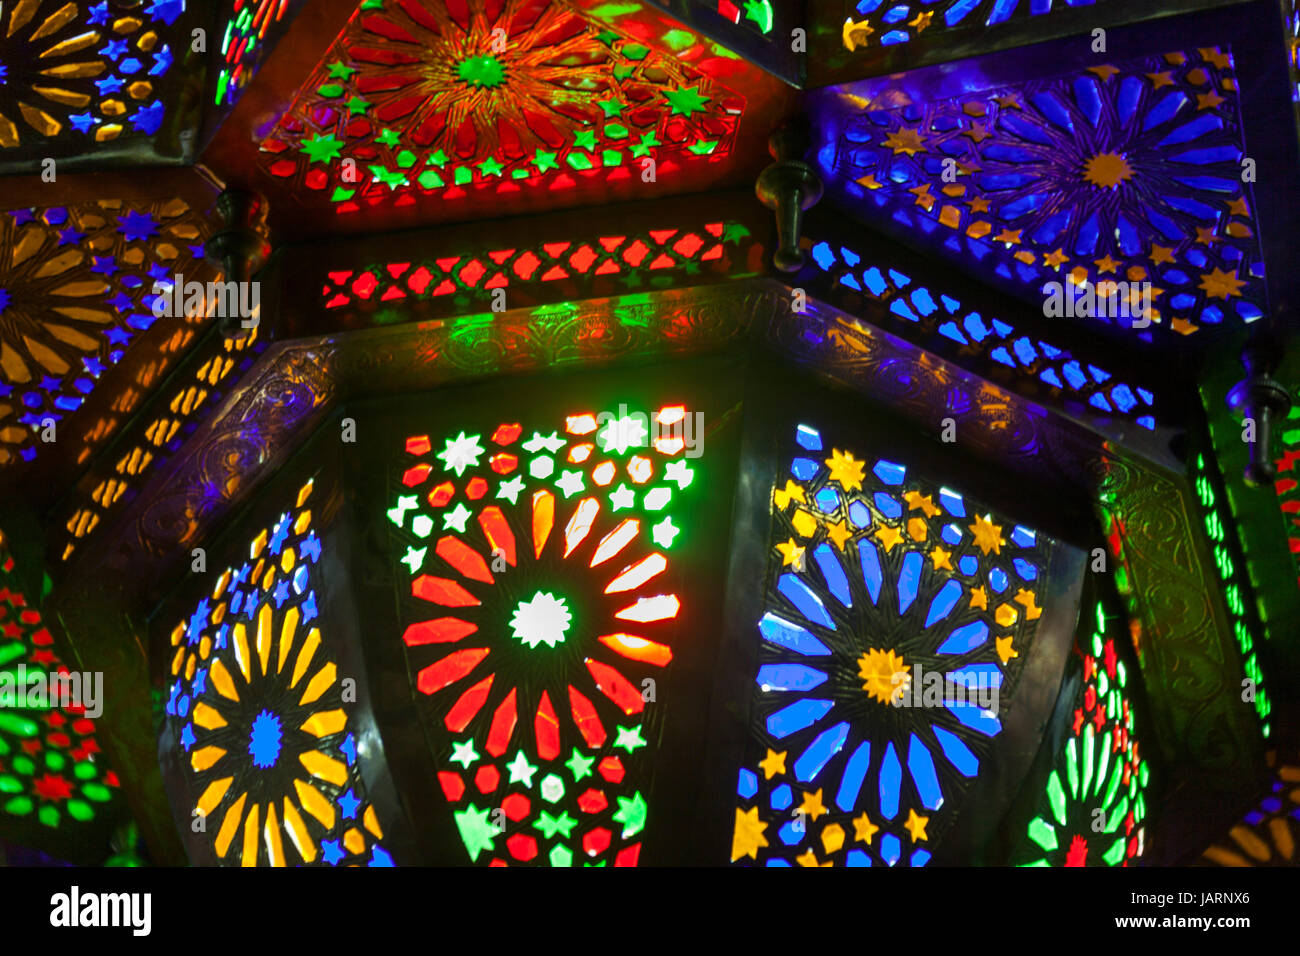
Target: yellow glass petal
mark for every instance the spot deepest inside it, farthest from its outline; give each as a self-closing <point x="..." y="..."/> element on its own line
<point x="56" y="94"/>
<point x="229" y="825"/>
<point x="326" y="722"/>
<point x="305" y="655"/>
<point x="207" y="717"/>
<point x="242" y="657"/>
<point x="274" y="845"/>
<point x="249" y="857"/>
<point x="213" y="794"/>
<point x="205" y="757"/>
<point x="371" y="820"/>
<point x="59" y="18"/>
<point x="305" y="492"/>
<point x="71" y="45"/>
<point x="288" y="630"/>
<point x="222" y="680"/>
<point x="8" y="133"/>
<point x="22" y="12"/>
<point x="354" y="841"/>
<point x="319" y="684"/>
<point x="303" y="523"/>
<point x="75" y="70"/>
<point x="315" y="803"/>
<point x="265" y="635"/>
<point x="326" y="768"/>
<point x="297" y="831"/>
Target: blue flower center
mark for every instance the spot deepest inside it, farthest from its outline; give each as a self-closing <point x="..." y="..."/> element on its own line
<point x="264" y="741"/>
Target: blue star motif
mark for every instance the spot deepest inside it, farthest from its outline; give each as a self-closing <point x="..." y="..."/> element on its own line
<point x="188" y="739"/>
<point x="310" y="547"/>
<point x="348" y="803"/>
<point x="332" y="852"/>
<point x="109" y="84"/>
<point x="241" y="577"/>
<point x="136" y="225"/>
<point x="309" y="608"/>
<point x="162" y="275"/>
<point x="280" y="535"/>
<point x="70" y="236"/>
<point x="21" y="216"/>
<point x="115" y="50"/>
<point x="379" y="857"/>
<point x="281" y="593"/>
<point x="166" y="10"/>
<point x="82" y="121"/>
<point x="349" y="749"/>
<point x="148" y="119"/>
<point x="98" y="14"/>
<point x="171" y="701"/>
<point x="198" y="621"/>
<point x="162" y="61"/>
<point x="104" y="265"/>
<point x="200" y="681"/>
<point x="118" y="337"/>
<point x="221" y="636"/>
<point x="50" y="383"/>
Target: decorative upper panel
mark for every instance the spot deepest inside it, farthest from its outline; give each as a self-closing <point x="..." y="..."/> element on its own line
<point x="1118" y="195"/>
<point x="424" y="110"/>
<point x="249" y="31"/>
<point x="84" y="81"/>
<point x="77" y="294"/>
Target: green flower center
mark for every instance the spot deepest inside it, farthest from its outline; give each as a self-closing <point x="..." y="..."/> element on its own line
<point x="485" y="72"/>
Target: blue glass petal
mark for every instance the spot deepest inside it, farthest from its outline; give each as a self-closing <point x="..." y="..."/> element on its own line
<point x="795" y="717"/>
<point x="833" y="572"/>
<point x="801" y="596"/>
<point x="921" y="766"/>
<point x="789" y="677"/>
<point x="958" y="754"/>
<point x="965" y="638"/>
<point x="822" y="749"/>
<point x="781" y="632"/>
<point x="891" y="779"/>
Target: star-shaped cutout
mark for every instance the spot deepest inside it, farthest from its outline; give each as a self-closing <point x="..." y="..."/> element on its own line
<point x="979" y="598"/>
<point x="622" y="498"/>
<point x="457" y="517"/>
<point x="1005" y="650"/>
<point x="846" y="469"/>
<point x="678" y="471"/>
<point x="941" y="558"/>
<point x="629" y="738"/>
<point x="511" y="489"/>
<point x="685" y="102"/>
<point x="917" y="501"/>
<point x="460" y="453"/>
<point x="544" y="161"/>
<point x="888" y="536"/>
<point x="322" y="149"/>
<point x="748" y="837"/>
<point x="579" y="765"/>
<point x="988" y="536"/>
<point x="791" y="492"/>
<point x="332" y="851"/>
<point x="340" y="71"/>
<point x="414" y="558"/>
<point x="809" y="859"/>
<point x="791" y="554"/>
<point x="839" y="533"/>
<point x="812" y="806"/>
<point x="664" y="533"/>
<point x="521" y="771"/>
<point x="570" y="482"/>
<point x="631" y="813"/>
<point x="864" y="829"/>
<point x="915" y="825"/>
<point x="549" y="825"/>
<point x="356" y="106"/>
<point x="464" y="753"/>
<point x="773" y="763"/>
<point x="552" y="442"/>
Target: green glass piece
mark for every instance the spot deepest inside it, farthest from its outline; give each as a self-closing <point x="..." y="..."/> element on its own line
<point x="48" y="816"/>
<point x="18" y="726"/>
<point x="703" y="147"/>
<point x="631" y="813"/>
<point x="579" y="161"/>
<point x="611" y="157"/>
<point x="759" y="12"/>
<point x="10" y="784"/>
<point x="11" y="651"/>
<point x="430" y="179"/>
<point x="1056" y="797"/>
<point x="462" y="175"/>
<point x="97" y="792"/>
<point x="1042" y="833"/>
<point x="1113" y="785"/>
<point x="635" y="51"/>
<point x="55" y="760"/>
<point x="1089" y="754"/>
<point x="24" y="765"/>
<point x="476" y="831"/>
<point x="1117" y="815"/>
<point x="1103" y="760"/>
<point x="549" y="825"/>
<point x="1072" y="766"/>
<point x="561" y="855"/>
<point x="484" y="72"/>
<point x="80" y="810"/>
<point x="84" y="770"/>
<point x="19" y="806"/>
<point x="1115" y="855"/>
<point x="405" y="159"/>
<point x="330" y="90"/>
<point x="340" y="194"/>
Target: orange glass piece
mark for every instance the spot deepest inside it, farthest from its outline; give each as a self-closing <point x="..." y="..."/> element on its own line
<point x="503" y="462"/>
<point x="503" y="725"/>
<point x="603" y="473"/>
<point x="583" y="424"/>
<point x="547" y="728"/>
<point x="497" y="530"/>
<point x="639" y="469"/>
<point x="580" y="453"/>
<point x="615" y="541"/>
<point x="638" y="648"/>
<point x="468" y="705"/>
<point x="463" y="558"/>
<point x="657" y="608"/>
<point x="442" y="591"/>
<point x="616" y="687"/>
<point x="586" y="718"/>
<point x="543" y="519"/>
<point x="416" y="474"/>
<point x="441" y="494"/>
<point x="507" y="434"/>
<point x="579" y="526"/>
<point x="418" y="445"/>
<point x="449" y="669"/>
<point x="442" y="630"/>
<point x="638" y="574"/>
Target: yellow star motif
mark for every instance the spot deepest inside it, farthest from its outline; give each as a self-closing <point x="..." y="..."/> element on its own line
<point x="810" y="859"/>
<point x="869" y="181"/>
<point x="839" y="533"/>
<point x="1216" y="57"/>
<point x="791" y="492"/>
<point x="1005" y="650"/>
<point x="921" y="20"/>
<point x="1238" y="207"/>
<point x="791" y="553"/>
<point x="884" y="675"/>
<point x="919" y="502"/>
<point x="1205" y="235"/>
<point x="915" y="825"/>
<point x="855" y="35"/>
<point x="1208" y="101"/>
<point x="846" y="469"/>
<point x="979" y="598"/>
<point x="1055" y="259"/>
<point x="1107" y="264"/>
<point x="1009" y="102"/>
<point x="1219" y="284"/>
<point x="979" y="204"/>
<point x="988" y="536"/>
<point x="1025" y="598"/>
<point x="941" y="558"/>
<point x="1161" y="79"/>
<point x="1010" y="236"/>
<point x="773" y="763"/>
<point x="864" y="829"/>
<point x="977" y="132"/>
<point x="749" y="834"/>
<point x="906" y="140"/>
<point x="1105" y="72"/>
<point x="1162" y="254"/>
<point x="812" y="806"/>
<point x="888" y="536"/>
